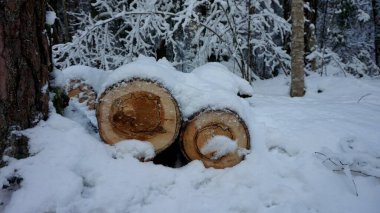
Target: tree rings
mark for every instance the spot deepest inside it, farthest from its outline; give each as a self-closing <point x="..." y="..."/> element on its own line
<point x="139" y="109"/>
<point x="208" y="124"/>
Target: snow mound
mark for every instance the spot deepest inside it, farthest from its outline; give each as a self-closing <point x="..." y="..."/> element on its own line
<point x="70" y="170"/>
<point x="89" y="75"/>
<point x="141" y="150"/>
<point x="210" y="86"/>
<point x="50" y="17"/>
<point x="145" y="68"/>
<point x="219" y="146"/>
<point x="218" y="74"/>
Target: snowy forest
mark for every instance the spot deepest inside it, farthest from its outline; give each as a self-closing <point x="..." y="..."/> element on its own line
<point x="189" y="106"/>
<point x="251" y="37"/>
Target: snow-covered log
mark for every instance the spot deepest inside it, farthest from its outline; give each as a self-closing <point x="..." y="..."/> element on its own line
<point x="201" y="138"/>
<point x="138" y="109"/>
<point x="85" y="93"/>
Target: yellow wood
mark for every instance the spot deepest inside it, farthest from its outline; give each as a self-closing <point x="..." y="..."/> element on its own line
<point x="141" y="110"/>
<point x="208" y="124"/>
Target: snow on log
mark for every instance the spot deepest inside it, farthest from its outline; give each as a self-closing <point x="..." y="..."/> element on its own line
<point x="201" y="132"/>
<point x="85" y="93"/>
<point x="138" y="109"/>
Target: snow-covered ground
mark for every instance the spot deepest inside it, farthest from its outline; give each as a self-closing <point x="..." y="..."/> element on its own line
<point x="296" y="145"/>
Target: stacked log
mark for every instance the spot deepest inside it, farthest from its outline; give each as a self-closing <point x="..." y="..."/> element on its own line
<point x="85" y="93"/>
<point x="145" y="110"/>
<point x="139" y="109"/>
<point x="205" y="125"/>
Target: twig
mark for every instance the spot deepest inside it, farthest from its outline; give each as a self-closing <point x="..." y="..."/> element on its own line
<point x="363" y="97"/>
<point x="340" y="168"/>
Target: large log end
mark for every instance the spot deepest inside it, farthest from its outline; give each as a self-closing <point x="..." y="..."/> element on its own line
<point x="139" y="109"/>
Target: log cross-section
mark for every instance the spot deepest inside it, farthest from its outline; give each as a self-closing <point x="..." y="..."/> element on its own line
<point x="139" y="109"/>
<point x="85" y="93"/>
<point x="207" y="124"/>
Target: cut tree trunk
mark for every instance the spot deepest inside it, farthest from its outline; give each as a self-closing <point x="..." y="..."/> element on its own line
<point x="24" y="62"/>
<point x="139" y="109"/>
<point x="207" y="124"/>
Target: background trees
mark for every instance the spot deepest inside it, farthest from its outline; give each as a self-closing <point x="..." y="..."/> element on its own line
<point x="247" y="35"/>
<point x="346" y="37"/>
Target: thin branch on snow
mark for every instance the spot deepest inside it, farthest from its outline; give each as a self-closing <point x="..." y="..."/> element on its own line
<point x="368" y="94"/>
<point x="340" y="166"/>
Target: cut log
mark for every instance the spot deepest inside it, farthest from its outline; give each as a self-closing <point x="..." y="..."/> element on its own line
<point x="83" y="92"/>
<point x="139" y="109"/>
<point x="204" y="126"/>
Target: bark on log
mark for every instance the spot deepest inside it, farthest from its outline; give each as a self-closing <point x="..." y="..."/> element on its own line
<point x="83" y="92"/>
<point x="24" y="62"/>
<point x="139" y="109"/>
<point x="207" y="124"/>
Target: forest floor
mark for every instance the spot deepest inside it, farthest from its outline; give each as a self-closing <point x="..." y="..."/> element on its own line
<point x="297" y="143"/>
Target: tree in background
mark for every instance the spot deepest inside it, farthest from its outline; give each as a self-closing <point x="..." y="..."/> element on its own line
<point x="297" y="87"/>
<point x="376" y="19"/>
<point x="248" y="36"/>
<point x="346" y="38"/>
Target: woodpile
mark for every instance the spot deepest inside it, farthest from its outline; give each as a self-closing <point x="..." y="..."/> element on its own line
<point x="145" y="110"/>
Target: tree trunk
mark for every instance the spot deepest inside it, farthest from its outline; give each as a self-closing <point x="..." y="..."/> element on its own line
<point x="310" y="27"/>
<point x="138" y="109"/>
<point x="297" y="50"/>
<point x="376" y="18"/>
<point x="310" y="23"/>
<point x="24" y="62"/>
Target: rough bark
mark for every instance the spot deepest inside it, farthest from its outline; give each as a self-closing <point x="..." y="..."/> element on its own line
<point x="24" y="62"/>
<point x="297" y="50"/>
<point x="376" y="18"/>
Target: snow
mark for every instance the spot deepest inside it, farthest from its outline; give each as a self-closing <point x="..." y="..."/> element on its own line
<point x="44" y="88"/>
<point x="218" y="75"/>
<point x="219" y="146"/>
<point x="193" y="91"/>
<point x="89" y="75"/>
<point x="138" y="149"/>
<point x="363" y="16"/>
<point x="50" y="17"/>
<point x="71" y="170"/>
